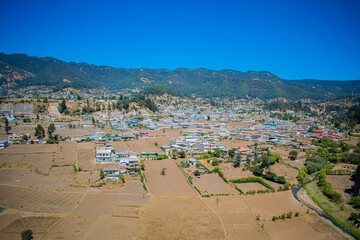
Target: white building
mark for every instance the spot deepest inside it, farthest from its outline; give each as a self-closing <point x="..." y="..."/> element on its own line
<point x="104" y="154"/>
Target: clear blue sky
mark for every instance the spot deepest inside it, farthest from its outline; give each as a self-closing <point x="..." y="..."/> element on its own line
<point x="293" y="39"/>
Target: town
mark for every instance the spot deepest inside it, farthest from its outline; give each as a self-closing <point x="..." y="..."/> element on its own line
<point x="87" y="144"/>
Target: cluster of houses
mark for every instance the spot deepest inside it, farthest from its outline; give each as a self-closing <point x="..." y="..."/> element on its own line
<point x="281" y="132"/>
<point x="128" y="161"/>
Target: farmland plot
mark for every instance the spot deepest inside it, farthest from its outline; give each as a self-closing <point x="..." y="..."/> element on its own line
<point x="282" y="170"/>
<point x="305" y="227"/>
<point x="274" y="204"/>
<point x="237" y="218"/>
<point x="73" y="226"/>
<point x="26" y="178"/>
<point x="213" y="184"/>
<point x="179" y="218"/>
<point x="38" y="200"/>
<point x="173" y="183"/>
<point x="341" y="184"/>
<point x="91" y="203"/>
<point x="107" y="227"/>
<point x="142" y="145"/>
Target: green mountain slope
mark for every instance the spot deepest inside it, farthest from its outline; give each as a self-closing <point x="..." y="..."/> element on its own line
<point x="27" y="71"/>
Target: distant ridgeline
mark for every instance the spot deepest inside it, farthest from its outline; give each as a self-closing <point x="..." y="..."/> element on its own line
<point x="31" y="71"/>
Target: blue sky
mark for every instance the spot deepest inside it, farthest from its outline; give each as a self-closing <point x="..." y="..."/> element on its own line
<point x="292" y="39"/>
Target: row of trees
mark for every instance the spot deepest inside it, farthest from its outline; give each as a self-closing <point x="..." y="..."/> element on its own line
<point x="40" y="132"/>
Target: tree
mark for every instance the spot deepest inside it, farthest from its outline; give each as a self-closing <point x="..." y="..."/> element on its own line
<point x="7" y="129"/>
<point x="174" y="154"/>
<point x="231" y="153"/>
<point x="258" y="171"/>
<point x="182" y="154"/>
<point x="51" y="129"/>
<point x="313" y="128"/>
<point x="217" y="152"/>
<point x="156" y="144"/>
<point x="101" y="174"/>
<point x="237" y="161"/>
<point x="62" y="107"/>
<point x="163" y="171"/>
<point x="25" y="138"/>
<point x="93" y="120"/>
<point x="293" y="155"/>
<point x="27" y="235"/>
<point x="39" y="132"/>
<point x="215" y="162"/>
<point x="265" y="163"/>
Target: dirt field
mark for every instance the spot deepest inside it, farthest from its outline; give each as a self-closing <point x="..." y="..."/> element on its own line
<point x="143" y="145"/>
<point x="213" y="184"/>
<point x="238" y="219"/>
<point x="86" y="156"/>
<point x="37" y="224"/>
<point x="245" y="187"/>
<point x="73" y="226"/>
<point x="160" y="140"/>
<point x="274" y="204"/>
<point x="171" y="184"/>
<point x="307" y="226"/>
<point x="179" y="218"/>
<point x="26" y="178"/>
<point x="234" y="173"/>
<point x="289" y="173"/>
<point x="38" y="200"/>
<point x="173" y="133"/>
<point x="106" y="227"/>
<point x="90" y="204"/>
<point x="236" y="143"/>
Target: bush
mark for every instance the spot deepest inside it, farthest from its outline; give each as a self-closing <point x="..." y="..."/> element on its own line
<point x="197" y="190"/>
<point x="355" y="201"/>
<point x="190" y="180"/>
<point x="241" y="192"/>
<point x="297" y="214"/>
<point x="27" y="235"/>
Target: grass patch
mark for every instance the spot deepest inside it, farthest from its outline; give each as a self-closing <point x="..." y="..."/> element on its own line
<point x="332" y="209"/>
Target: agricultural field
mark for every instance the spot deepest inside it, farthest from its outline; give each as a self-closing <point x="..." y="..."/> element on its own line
<point x="143" y="145"/>
<point x="238" y="220"/>
<point x="234" y="173"/>
<point x="35" y="200"/>
<point x="245" y="187"/>
<point x="307" y="226"/>
<point x="282" y="170"/>
<point x="341" y="183"/>
<point x="236" y="143"/>
<point x="213" y="184"/>
<point x="172" y="133"/>
<point x="177" y="218"/>
<point x="274" y="204"/>
<point x="173" y="183"/>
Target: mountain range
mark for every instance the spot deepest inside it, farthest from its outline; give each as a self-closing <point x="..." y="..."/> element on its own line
<point x="24" y="70"/>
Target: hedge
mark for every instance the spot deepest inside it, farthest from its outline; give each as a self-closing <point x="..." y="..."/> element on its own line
<point x="253" y="179"/>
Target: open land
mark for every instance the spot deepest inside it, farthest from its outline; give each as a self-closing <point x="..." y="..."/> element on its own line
<point x="40" y="191"/>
